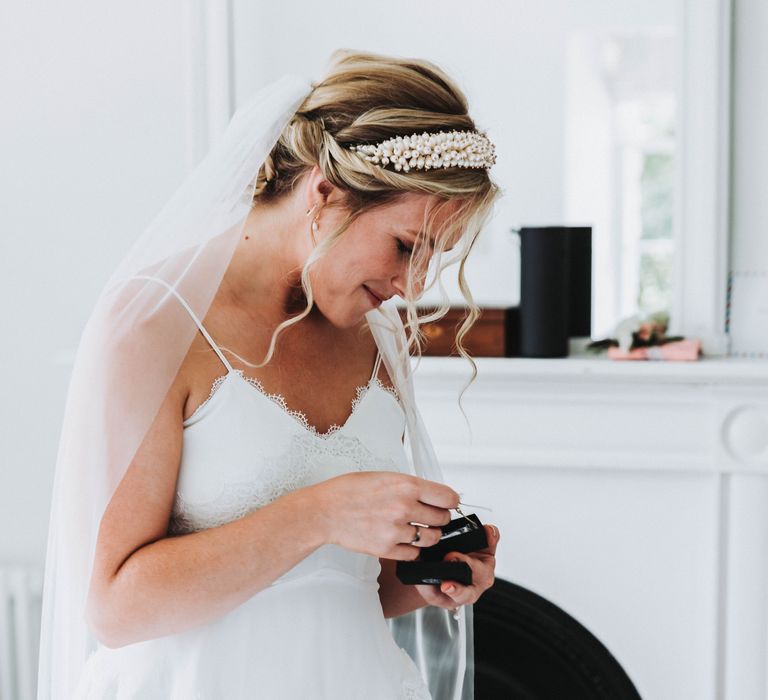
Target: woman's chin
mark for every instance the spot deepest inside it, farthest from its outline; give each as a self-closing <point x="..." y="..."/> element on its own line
<point x="344" y="321"/>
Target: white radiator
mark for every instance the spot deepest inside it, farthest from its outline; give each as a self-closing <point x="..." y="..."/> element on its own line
<point x="20" y="607"/>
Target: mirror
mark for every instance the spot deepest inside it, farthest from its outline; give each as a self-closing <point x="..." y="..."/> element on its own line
<point x="581" y="100"/>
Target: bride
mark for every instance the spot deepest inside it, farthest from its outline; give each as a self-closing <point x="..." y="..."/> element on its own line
<point x="229" y="528"/>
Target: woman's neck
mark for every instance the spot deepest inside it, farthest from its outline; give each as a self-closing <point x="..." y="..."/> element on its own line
<point x="264" y="275"/>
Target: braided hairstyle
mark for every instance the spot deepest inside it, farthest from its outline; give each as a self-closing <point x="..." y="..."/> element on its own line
<point x="366" y="98"/>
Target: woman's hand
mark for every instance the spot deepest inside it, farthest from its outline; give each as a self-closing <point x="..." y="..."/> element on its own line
<point x="451" y="594"/>
<point x="370" y="512"/>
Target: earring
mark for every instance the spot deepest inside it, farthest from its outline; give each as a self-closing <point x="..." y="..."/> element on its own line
<point x="313" y="233"/>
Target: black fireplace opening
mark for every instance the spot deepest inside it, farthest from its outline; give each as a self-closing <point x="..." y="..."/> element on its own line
<point x="527" y="648"/>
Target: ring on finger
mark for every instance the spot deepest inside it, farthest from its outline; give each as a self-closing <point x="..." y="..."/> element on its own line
<point x="417" y="536"/>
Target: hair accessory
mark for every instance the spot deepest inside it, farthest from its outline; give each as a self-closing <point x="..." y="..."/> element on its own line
<point x="444" y="149"/>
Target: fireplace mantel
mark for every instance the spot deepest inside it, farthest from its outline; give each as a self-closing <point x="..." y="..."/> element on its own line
<point x="631" y="494"/>
<point x="717" y="370"/>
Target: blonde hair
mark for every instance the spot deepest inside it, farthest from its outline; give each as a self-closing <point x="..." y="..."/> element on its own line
<point x="367" y="98"/>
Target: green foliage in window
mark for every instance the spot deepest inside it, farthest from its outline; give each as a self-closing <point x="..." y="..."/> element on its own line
<point x="657" y="195"/>
<point x="655" y="282"/>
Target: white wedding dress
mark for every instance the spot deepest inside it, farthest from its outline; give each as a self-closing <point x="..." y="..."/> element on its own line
<point x="316" y="633"/>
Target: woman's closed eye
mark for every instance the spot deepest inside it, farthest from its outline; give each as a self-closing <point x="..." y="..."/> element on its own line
<point x="403" y="248"/>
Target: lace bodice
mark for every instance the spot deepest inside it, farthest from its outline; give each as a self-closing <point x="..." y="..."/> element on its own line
<point x="278" y="452"/>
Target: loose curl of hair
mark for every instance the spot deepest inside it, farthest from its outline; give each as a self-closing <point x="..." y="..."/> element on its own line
<point x="366" y="98"/>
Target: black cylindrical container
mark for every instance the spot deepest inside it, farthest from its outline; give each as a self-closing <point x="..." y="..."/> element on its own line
<point x="544" y="284"/>
<point x="580" y="286"/>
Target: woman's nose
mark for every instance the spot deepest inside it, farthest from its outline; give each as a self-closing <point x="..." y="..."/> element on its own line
<point x="400" y="285"/>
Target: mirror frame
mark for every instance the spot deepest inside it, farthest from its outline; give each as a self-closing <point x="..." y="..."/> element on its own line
<point x="702" y="206"/>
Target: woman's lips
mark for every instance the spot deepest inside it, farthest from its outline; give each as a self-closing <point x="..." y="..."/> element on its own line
<point x="374" y="299"/>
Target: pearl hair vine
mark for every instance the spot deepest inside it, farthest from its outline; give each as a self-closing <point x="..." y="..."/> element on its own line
<point x="443" y="149"/>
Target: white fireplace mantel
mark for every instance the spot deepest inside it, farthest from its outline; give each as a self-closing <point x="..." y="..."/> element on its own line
<point x="719" y="370"/>
<point x="631" y="494"/>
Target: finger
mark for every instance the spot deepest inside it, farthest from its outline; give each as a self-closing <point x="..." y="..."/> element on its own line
<point x="493" y="536"/>
<point x="429" y="515"/>
<point x="459" y="556"/>
<point x="428" y="536"/>
<point x="451" y="588"/>
<point x="433" y="596"/>
<point x="437" y="494"/>
<point x="459" y="594"/>
<point x="483" y="568"/>
<point x="404" y="552"/>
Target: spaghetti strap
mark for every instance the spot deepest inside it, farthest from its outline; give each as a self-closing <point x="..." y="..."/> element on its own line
<point x="376" y="366"/>
<point x="192" y="314"/>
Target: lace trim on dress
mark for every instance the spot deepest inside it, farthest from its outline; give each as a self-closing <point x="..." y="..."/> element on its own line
<point x="300" y="416"/>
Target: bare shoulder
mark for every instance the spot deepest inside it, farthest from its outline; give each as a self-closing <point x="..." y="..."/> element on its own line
<point x="197" y="373"/>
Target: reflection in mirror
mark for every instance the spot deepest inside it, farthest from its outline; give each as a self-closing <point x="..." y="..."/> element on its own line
<point x="620" y="124"/>
<point x="582" y="100"/>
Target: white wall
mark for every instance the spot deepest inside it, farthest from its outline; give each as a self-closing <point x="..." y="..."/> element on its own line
<point x="95" y="136"/>
<point x="93" y="141"/>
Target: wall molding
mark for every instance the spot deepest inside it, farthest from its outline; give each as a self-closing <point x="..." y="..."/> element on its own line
<point x="702" y="207"/>
<point x="210" y="77"/>
<point x="578" y="414"/>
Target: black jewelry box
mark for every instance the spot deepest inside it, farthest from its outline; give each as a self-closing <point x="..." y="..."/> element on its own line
<point x="465" y="535"/>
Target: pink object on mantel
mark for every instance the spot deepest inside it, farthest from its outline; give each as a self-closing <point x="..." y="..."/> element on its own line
<point x="680" y="350"/>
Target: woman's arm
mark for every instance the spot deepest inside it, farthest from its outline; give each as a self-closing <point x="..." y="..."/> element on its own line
<point x="396" y="598"/>
<point x="145" y="584"/>
<point x="177" y="583"/>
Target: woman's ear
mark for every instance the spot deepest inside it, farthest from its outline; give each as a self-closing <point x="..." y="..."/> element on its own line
<point x="327" y="189"/>
<point x="318" y="189"/>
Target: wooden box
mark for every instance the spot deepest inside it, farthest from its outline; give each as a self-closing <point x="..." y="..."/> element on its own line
<point x="494" y="334"/>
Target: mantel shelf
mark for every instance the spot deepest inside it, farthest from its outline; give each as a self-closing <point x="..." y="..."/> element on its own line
<point x="715" y="370"/>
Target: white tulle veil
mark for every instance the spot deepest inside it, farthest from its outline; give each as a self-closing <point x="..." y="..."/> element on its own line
<point x="130" y="351"/>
